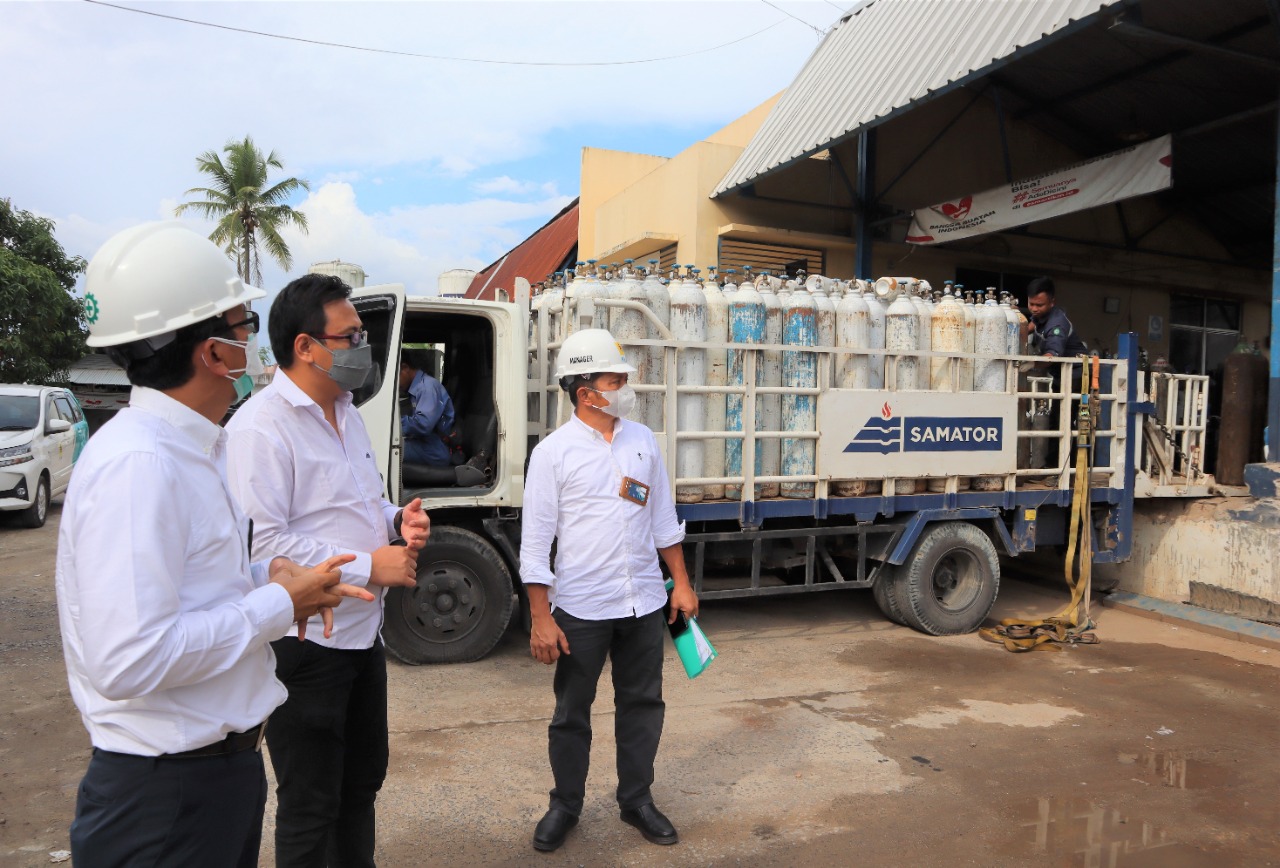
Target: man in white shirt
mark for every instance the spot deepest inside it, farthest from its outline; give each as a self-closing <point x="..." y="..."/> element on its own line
<point x="599" y="488"/>
<point x="165" y="622"/>
<point x="301" y="465"/>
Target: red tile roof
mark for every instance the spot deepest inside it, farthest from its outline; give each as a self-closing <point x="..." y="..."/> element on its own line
<point x="533" y="259"/>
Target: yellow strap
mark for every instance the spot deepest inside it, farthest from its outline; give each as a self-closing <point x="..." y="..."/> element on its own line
<point x="1072" y="625"/>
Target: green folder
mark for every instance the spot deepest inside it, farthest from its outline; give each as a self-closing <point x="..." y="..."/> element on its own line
<point x="692" y="645"/>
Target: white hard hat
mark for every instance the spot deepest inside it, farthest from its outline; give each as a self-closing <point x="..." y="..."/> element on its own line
<point x="591" y="351"/>
<point x="154" y="279"/>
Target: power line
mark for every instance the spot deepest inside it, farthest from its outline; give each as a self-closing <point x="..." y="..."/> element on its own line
<point x="834" y="6"/>
<point x="421" y="56"/>
<point x="812" y="27"/>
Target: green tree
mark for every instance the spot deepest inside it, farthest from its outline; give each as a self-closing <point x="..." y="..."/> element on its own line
<point x="42" y="325"/>
<point x="248" y="212"/>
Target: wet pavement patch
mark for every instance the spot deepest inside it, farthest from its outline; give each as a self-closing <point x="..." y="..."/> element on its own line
<point x="1099" y="835"/>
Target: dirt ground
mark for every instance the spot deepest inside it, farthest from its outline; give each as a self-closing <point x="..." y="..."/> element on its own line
<point x="822" y="735"/>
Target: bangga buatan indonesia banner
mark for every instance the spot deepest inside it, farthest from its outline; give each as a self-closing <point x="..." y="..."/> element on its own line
<point x="1135" y="171"/>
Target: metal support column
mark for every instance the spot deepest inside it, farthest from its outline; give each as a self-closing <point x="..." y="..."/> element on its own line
<point x="1273" y="391"/>
<point x="866" y="201"/>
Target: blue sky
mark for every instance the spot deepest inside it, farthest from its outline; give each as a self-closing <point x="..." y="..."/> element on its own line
<point x="417" y="166"/>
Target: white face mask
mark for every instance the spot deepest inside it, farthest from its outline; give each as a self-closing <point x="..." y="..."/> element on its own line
<point x="620" y="402"/>
<point x="243" y="378"/>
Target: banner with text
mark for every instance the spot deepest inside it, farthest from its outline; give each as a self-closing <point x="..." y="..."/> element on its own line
<point x="1135" y="171"/>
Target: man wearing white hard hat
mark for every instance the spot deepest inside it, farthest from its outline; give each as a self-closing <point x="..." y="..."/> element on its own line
<point x="598" y="487"/>
<point x="165" y="623"/>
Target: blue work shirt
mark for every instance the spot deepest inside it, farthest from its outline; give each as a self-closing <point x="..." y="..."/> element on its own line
<point x="432" y="416"/>
<point x="1056" y="336"/>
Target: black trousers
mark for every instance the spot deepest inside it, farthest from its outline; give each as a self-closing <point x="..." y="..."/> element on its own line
<point x="634" y="645"/>
<point x="328" y="746"/>
<point x="137" y="810"/>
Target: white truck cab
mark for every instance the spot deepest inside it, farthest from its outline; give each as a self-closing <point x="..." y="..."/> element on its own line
<point x="467" y="576"/>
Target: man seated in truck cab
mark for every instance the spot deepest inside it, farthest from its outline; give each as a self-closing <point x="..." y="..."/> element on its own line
<point x="428" y="426"/>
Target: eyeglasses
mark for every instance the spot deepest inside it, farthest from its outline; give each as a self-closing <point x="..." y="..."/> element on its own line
<point x="355" y="339"/>
<point x="249" y="323"/>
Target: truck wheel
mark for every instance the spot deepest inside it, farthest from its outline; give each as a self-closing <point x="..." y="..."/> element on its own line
<point x="460" y="607"/>
<point x="949" y="582"/>
<point x="885" y="593"/>
<point x="35" y="514"/>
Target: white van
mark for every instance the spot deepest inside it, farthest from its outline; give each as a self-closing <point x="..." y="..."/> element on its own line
<point x="42" y="430"/>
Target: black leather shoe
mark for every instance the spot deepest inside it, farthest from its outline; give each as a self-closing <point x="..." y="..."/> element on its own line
<point x="552" y="829"/>
<point x="656" y="828"/>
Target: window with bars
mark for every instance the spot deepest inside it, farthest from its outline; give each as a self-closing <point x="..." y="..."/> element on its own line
<point x="1202" y="332"/>
<point x="774" y="258"/>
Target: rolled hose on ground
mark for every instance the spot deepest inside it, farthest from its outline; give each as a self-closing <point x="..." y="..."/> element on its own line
<point x="1072" y="625"/>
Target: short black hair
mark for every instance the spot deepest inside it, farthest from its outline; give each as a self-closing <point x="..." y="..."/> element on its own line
<point x="1041" y="286"/>
<point x="418" y="359"/>
<point x="299" y="310"/>
<point x="573" y="383"/>
<point x="171" y="366"/>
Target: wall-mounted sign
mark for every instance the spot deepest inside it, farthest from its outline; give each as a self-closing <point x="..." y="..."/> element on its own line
<point x="1155" y="328"/>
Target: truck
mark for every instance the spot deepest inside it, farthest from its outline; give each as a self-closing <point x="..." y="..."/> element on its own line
<point x="931" y="555"/>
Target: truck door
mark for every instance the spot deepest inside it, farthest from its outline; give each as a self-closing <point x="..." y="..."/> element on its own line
<point x="381" y="309"/>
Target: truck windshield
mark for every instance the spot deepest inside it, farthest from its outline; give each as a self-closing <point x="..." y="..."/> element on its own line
<point x="19" y="412"/>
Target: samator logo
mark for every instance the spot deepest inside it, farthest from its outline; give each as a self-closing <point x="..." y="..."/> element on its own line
<point x="886" y="435"/>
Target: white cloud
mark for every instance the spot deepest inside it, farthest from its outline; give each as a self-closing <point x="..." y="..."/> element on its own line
<point x="414" y="245"/>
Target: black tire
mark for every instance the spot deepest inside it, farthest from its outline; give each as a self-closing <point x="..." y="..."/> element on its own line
<point x="885" y="592"/>
<point x="949" y="582"/>
<point x="36" y="514"/>
<point x="460" y="607"/>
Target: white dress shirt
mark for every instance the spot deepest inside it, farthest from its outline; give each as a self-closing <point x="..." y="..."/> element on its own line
<point x="312" y="495"/>
<point x="607" y="546"/>
<point x="165" y="623"/>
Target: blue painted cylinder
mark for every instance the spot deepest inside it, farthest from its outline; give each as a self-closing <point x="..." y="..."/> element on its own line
<point x="746" y="326"/>
<point x="799" y="371"/>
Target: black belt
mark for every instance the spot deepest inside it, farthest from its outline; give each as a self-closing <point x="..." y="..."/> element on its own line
<point x="235" y="742"/>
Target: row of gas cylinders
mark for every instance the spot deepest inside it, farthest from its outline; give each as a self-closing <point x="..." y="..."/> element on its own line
<point x="895" y="315"/>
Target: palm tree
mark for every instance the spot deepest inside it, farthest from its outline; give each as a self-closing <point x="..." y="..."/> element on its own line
<point x="247" y="210"/>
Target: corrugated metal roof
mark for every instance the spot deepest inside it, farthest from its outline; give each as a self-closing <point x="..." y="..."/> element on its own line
<point x="885" y="56"/>
<point x="97" y="370"/>
<point x="533" y="259"/>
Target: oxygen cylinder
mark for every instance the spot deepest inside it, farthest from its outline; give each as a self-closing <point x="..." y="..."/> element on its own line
<point x="687" y="311"/>
<point x="991" y="340"/>
<point x="747" y="319"/>
<point x="923" y="338"/>
<point x="887" y="288"/>
<point x="628" y="326"/>
<point x="799" y="371"/>
<point x="659" y="301"/>
<point x="782" y="286"/>
<point x="902" y="333"/>
<point x="990" y="372"/>
<point x="877" y="311"/>
<point x="1014" y="344"/>
<point x="717" y="375"/>
<point x="853" y="331"/>
<point x="826" y="310"/>
<point x="946" y="336"/>
<point x="585" y="294"/>
<point x="730" y="283"/>
<point x="970" y="337"/>
<point x="1244" y="408"/>
<point x="769" y="407"/>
